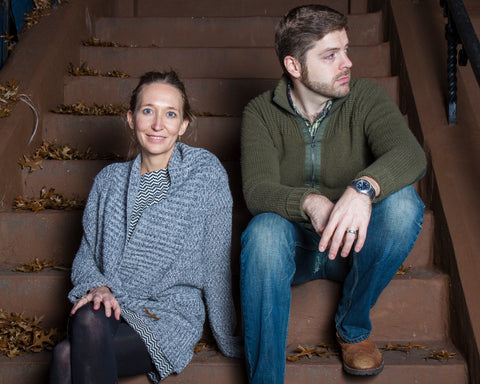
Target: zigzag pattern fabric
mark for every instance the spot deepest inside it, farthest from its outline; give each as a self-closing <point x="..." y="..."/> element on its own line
<point x="164" y="367"/>
<point x="153" y="188"/>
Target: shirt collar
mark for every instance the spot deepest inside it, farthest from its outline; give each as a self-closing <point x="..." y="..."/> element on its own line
<point x="320" y="116"/>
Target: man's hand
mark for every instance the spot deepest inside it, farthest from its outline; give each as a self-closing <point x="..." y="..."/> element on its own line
<point x="352" y="212"/>
<point x="98" y="296"/>
<point x="318" y="208"/>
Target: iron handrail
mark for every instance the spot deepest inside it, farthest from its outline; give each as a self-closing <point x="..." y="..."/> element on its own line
<point x="459" y="30"/>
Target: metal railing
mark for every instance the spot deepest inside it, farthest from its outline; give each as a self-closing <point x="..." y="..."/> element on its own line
<point x="459" y="30"/>
<point x="12" y="20"/>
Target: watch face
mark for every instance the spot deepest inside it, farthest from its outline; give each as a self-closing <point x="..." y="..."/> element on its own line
<point x="363" y="185"/>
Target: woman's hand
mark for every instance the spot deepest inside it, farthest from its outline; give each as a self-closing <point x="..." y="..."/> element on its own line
<point x="98" y="296"/>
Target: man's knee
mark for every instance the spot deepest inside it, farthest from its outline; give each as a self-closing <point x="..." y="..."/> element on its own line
<point x="268" y="241"/>
<point x="400" y="212"/>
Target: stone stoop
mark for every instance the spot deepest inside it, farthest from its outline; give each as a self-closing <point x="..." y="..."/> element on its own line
<point x="230" y="44"/>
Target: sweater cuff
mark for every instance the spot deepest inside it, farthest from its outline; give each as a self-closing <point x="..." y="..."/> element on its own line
<point x="294" y="204"/>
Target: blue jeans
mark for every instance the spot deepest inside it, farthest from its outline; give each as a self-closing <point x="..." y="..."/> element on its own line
<point x="277" y="253"/>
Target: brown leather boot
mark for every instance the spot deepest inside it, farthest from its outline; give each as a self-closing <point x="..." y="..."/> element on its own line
<point x="362" y="358"/>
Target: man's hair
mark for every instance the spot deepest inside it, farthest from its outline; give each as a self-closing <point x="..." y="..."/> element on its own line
<point x="302" y="27"/>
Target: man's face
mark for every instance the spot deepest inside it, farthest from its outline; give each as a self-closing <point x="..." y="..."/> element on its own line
<point x="326" y="70"/>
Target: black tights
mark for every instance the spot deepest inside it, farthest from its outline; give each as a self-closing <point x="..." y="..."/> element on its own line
<point x="98" y="349"/>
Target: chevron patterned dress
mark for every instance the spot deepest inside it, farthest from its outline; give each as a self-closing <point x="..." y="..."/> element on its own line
<point x="153" y="188"/>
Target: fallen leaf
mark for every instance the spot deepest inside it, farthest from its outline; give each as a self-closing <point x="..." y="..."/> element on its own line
<point x="403" y="347"/>
<point x="32" y="164"/>
<point x="48" y="200"/>
<point x="37" y="265"/>
<point x="80" y="108"/>
<point x="403" y="270"/>
<point x="19" y="335"/>
<point x="204" y="345"/>
<point x="442" y="355"/>
<point x="150" y="315"/>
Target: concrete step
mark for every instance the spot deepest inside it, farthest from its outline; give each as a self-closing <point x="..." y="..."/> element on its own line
<point x="413" y="307"/>
<point x="211" y="367"/>
<point x="110" y="134"/>
<point x="74" y="178"/>
<point x="47" y="235"/>
<point x="37" y="294"/>
<point x="218" y="97"/>
<point x="60" y="231"/>
<point x="369" y="61"/>
<point x="256" y="31"/>
<point x="213" y="8"/>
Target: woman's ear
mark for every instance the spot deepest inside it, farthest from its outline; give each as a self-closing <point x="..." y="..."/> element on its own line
<point x="130" y="120"/>
<point x="293" y="66"/>
<point x="184" y="127"/>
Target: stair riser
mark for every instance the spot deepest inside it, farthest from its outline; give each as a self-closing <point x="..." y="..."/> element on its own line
<point x="235" y="8"/>
<point x="60" y="234"/>
<point x="48" y="235"/>
<point x="399" y="374"/>
<point x="408" y="311"/>
<point x="234" y="373"/>
<point x="207" y="96"/>
<point x="218" y="32"/>
<point x="36" y="295"/>
<point x="19" y="373"/>
<point x="56" y="235"/>
<point x="106" y="134"/>
<point x="74" y="178"/>
<point x="259" y="63"/>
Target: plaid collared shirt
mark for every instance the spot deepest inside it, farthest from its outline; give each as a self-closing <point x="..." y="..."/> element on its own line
<point x="312" y="127"/>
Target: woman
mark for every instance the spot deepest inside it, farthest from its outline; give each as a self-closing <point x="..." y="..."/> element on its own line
<point x="156" y="246"/>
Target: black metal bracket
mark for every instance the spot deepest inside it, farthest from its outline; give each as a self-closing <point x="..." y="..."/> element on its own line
<point x="458" y="30"/>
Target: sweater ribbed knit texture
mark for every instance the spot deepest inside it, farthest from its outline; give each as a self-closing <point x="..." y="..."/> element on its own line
<point x="177" y="262"/>
<point x="365" y="135"/>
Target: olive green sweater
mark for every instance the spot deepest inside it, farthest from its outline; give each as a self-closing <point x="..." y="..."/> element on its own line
<point x="364" y="134"/>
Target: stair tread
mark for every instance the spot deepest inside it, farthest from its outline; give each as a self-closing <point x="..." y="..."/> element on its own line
<point x="370" y="61"/>
<point x="257" y="31"/>
<point x="211" y="367"/>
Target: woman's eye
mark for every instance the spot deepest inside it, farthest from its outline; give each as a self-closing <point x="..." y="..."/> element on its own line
<point x="171" y="114"/>
<point x="147" y="111"/>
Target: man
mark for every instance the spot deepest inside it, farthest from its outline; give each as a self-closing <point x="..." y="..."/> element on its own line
<point x="327" y="163"/>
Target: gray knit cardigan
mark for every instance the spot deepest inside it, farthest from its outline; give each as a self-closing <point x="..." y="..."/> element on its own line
<point x="177" y="261"/>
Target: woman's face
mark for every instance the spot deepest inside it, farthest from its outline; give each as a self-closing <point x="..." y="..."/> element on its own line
<point x="158" y="121"/>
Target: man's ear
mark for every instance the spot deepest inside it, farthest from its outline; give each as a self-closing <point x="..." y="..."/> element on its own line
<point x="293" y="67"/>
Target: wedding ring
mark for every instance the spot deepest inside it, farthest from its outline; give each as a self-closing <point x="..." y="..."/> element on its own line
<point x="352" y="231"/>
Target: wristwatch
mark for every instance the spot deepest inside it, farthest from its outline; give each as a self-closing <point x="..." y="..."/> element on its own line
<point x="363" y="186"/>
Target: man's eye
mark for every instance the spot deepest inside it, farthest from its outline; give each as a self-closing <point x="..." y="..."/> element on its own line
<point x="147" y="111"/>
<point x="171" y="114"/>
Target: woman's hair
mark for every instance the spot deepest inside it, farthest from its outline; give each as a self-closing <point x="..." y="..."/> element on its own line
<point x="170" y="78"/>
<point x="302" y="27"/>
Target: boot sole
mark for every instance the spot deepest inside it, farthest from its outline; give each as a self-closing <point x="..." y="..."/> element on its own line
<point x="363" y="372"/>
